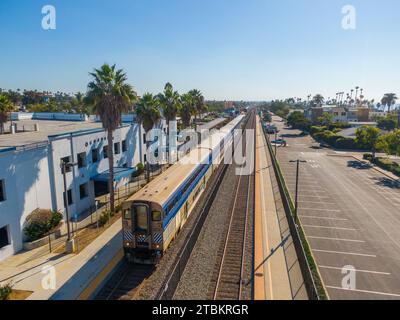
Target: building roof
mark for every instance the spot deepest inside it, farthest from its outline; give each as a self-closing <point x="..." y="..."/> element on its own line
<point x="46" y="128"/>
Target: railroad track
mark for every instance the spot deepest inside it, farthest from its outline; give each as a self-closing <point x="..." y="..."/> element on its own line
<point x="230" y="279"/>
<point x="125" y="282"/>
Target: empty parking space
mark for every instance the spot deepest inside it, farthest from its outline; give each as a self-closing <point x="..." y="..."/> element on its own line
<point x="350" y="214"/>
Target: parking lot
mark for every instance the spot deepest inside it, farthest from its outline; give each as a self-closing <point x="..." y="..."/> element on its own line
<point x="351" y="216"/>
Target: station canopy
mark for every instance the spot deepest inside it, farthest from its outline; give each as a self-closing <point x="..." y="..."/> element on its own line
<point x="119" y="174"/>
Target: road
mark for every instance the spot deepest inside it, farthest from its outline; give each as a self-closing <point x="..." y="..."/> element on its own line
<point x="351" y="216"/>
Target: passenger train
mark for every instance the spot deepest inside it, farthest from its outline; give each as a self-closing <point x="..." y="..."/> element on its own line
<point x="153" y="217"/>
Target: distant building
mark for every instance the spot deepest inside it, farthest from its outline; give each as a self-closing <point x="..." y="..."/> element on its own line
<point x="339" y="113"/>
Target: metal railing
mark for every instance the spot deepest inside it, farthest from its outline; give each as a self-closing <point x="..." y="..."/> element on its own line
<point x="308" y="277"/>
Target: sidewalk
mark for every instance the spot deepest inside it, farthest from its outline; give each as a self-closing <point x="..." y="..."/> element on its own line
<point x="273" y="280"/>
<point x="76" y="276"/>
<point x="383" y="171"/>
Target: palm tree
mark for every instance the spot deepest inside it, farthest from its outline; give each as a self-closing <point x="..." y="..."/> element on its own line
<point x="110" y="95"/>
<point x="187" y="109"/>
<point x="170" y="104"/>
<point x="148" y="114"/>
<point x="318" y="99"/>
<point x="198" y="101"/>
<point x="388" y="100"/>
<point x="5" y="107"/>
<point x="80" y="104"/>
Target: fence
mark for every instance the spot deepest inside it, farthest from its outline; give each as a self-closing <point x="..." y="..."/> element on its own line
<point x="295" y="230"/>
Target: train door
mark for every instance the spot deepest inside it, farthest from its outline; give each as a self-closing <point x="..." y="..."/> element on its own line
<point x="141" y="213"/>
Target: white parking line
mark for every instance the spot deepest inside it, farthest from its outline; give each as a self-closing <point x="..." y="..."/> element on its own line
<point x="319" y="202"/>
<point x="323" y="218"/>
<point x="366" y="291"/>
<point x="357" y="270"/>
<point x="335" y="239"/>
<point x="317" y="209"/>
<point x="346" y="253"/>
<point x="308" y="196"/>
<point x="333" y="228"/>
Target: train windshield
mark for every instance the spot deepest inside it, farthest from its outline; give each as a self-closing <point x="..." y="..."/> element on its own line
<point x="141" y="213"/>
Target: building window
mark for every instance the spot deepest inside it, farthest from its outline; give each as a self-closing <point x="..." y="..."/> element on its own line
<point x="2" y="190"/>
<point x="95" y="155"/>
<point x="83" y="191"/>
<point x="144" y="138"/>
<point x="105" y="152"/>
<point x="81" y="159"/>
<point x="124" y="146"/>
<point x="4" y="237"/>
<point x="67" y="160"/>
<point x="117" y="148"/>
<point x="69" y="196"/>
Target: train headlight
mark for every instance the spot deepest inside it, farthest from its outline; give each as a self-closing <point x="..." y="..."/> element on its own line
<point x="127" y="244"/>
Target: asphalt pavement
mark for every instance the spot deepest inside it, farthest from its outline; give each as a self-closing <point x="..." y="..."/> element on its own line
<point x="351" y="216"/>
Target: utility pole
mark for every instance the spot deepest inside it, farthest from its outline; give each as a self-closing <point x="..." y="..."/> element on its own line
<point x="70" y="245"/>
<point x="296" y="205"/>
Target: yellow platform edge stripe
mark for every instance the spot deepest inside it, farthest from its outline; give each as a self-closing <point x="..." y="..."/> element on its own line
<point x="91" y="288"/>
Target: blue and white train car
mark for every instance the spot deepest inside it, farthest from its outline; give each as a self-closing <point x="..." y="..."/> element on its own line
<point x="153" y="217"/>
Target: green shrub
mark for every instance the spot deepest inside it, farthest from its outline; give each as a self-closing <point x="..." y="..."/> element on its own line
<point x="40" y="222"/>
<point x="331" y="137"/>
<point x="105" y="217"/>
<point x="386" y="164"/>
<point x="319" y="136"/>
<point x="5" y="291"/>
<point x="139" y="169"/>
<point x="367" y="156"/>
<point x="339" y="125"/>
<point x="316" y="129"/>
<point x="345" y="143"/>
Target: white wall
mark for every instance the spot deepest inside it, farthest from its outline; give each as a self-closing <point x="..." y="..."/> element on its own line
<point x="72" y="145"/>
<point x="33" y="178"/>
<point x="48" y="116"/>
<point x="26" y="178"/>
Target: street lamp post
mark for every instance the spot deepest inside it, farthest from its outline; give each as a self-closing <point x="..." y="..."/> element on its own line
<point x="70" y="243"/>
<point x="296" y="205"/>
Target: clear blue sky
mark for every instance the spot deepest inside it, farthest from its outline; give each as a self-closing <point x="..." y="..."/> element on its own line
<point x="229" y="49"/>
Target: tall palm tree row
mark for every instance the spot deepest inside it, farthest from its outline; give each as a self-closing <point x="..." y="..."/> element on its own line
<point x="187" y="109"/>
<point x="170" y="104"/>
<point x="318" y="99"/>
<point x="148" y="115"/>
<point x="6" y="106"/>
<point x="110" y="95"/>
<point x="389" y="99"/>
<point x="198" y="101"/>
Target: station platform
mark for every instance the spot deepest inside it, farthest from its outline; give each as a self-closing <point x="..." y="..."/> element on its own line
<point x="279" y="277"/>
<point x="65" y="277"/>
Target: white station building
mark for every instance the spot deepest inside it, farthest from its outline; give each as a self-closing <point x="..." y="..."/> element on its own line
<point x="31" y="175"/>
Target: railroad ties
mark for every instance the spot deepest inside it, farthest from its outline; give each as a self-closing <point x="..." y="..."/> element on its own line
<point x="230" y="272"/>
<point x="125" y="282"/>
